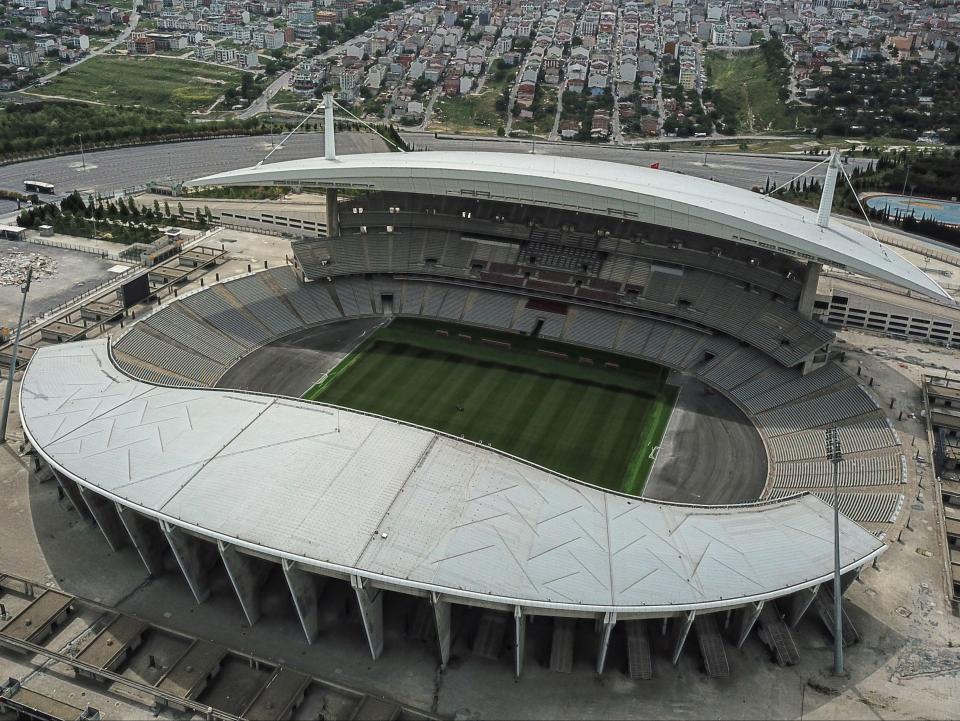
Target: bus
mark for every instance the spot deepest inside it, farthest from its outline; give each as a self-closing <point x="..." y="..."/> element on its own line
<point x="36" y="186"/>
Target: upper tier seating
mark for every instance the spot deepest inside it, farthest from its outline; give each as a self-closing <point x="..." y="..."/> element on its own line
<point x="737" y="307"/>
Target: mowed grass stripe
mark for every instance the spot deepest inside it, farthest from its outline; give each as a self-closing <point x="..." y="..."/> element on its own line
<point x="611" y="430"/>
<point x="572" y="442"/>
<point x="593" y="423"/>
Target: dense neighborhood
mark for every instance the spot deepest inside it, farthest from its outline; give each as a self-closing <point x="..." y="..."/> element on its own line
<point x="597" y="70"/>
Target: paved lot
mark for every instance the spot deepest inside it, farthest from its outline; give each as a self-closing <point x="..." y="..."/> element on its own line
<point x="110" y="170"/>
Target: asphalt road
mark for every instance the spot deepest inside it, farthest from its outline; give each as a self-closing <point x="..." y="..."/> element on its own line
<point x="110" y="170"/>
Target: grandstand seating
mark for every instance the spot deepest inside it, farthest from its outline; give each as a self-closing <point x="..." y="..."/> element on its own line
<point x="747" y="310"/>
<point x="196" y="338"/>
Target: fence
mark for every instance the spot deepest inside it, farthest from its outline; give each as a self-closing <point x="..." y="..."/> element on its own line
<point x="71" y="246"/>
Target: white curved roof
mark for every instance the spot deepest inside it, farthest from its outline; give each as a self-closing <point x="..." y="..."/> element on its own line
<point x="406" y="506"/>
<point x="626" y="191"/>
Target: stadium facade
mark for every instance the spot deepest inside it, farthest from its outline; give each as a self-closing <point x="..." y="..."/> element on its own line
<point x="711" y="281"/>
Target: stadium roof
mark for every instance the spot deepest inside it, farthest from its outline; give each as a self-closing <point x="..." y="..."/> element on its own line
<point x="613" y="189"/>
<point x="406" y="506"/>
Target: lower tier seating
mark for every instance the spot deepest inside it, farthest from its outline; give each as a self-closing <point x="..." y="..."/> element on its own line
<point x="194" y="340"/>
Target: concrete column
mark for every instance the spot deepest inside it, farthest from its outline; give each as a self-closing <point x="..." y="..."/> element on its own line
<point x="808" y="293"/>
<point x="246" y="576"/>
<point x="72" y="491"/>
<point x="305" y="595"/>
<point x="520" y="638"/>
<point x="105" y="514"/>
<point x="146" y="537"/>
<point x="192" y="559"/>
<point x="371" y="611"/>
<point x="441" y="614"/>
<point x="749" y="616"/>
<point x="333" y="216"/>
<point x="606" y="628"/>
<point x="799" y="603"/>
<point x="682" y="632"/>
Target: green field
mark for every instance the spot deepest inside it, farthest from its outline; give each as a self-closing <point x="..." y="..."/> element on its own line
<point x="149" y="82"/>
<point x="743" y="85"/>
<point x="473" y="113"/>
<point x="593" y="423"/>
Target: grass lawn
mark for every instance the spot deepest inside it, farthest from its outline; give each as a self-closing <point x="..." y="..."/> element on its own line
<point x="595" y="424"/>
<point x="743" y="79"/>
<point x="474" y="113"/>
<point x="542" y="125"/>
<point x="148" y="82"/>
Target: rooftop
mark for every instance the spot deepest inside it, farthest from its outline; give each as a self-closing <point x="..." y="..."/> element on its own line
<point x="404" y="505"/>
<point x="612" y="189"/>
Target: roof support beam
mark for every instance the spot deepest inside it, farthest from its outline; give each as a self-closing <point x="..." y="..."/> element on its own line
<point x="683" y="630"/>
<point x="71" y="489"/>
<point x="246" y="576"/>
<point x="370" y="601"/>
<point x="305" y="594"/>
<point x="520" y="637"/>
<point x="105" y="514"/>
<point x="442" y="612"/>
<point x="146" y="537"/>
<point x="192" y="558"/>
<point x="606" y="629"/>
<point x="847" y="579"/>
<point x="800" y="602"/>
<point x="749" y="617"/>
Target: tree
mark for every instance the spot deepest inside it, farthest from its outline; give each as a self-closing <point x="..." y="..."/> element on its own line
<point x="501" y="131"/>
<point x="166" y="208"/>
<point x="199" y="217"/>
<point x="180" y="209"/>
<point x="207" y="214"/>
<point x="156" y="206"/>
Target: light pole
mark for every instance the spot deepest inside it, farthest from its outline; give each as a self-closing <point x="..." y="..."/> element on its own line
<point x="13" y="359"/>
<point x="83" y="158"/>
<point x="835" y="456"/>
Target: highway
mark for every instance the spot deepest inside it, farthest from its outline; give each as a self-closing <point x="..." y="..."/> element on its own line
<point x="110" y="170"/>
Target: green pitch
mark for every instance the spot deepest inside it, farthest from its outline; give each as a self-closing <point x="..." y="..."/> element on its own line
<point x="593" y="423"/>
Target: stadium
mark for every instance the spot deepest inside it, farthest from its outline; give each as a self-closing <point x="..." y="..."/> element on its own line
<point x="588" y="395"/>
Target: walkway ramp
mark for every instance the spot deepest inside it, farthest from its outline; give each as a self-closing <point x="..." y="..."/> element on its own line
<point x="776" y="635"/>
<point x="639" y="659"/>
<point x="561" y="648"/>
<point x="711" y="646"/>
<point x="824" y="605"/>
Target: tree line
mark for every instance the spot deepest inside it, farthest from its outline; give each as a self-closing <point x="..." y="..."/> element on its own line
<point x="121" y="221"/>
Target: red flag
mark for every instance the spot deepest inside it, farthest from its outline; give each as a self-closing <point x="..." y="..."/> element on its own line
<point x="655" y="166"/>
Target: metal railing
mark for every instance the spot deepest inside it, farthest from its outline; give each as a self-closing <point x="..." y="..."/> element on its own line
<point x="73" y="246"/>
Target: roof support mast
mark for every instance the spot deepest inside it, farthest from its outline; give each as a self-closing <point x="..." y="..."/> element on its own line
<point x="329" y="144"/>
<point x="829" y="186"/>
